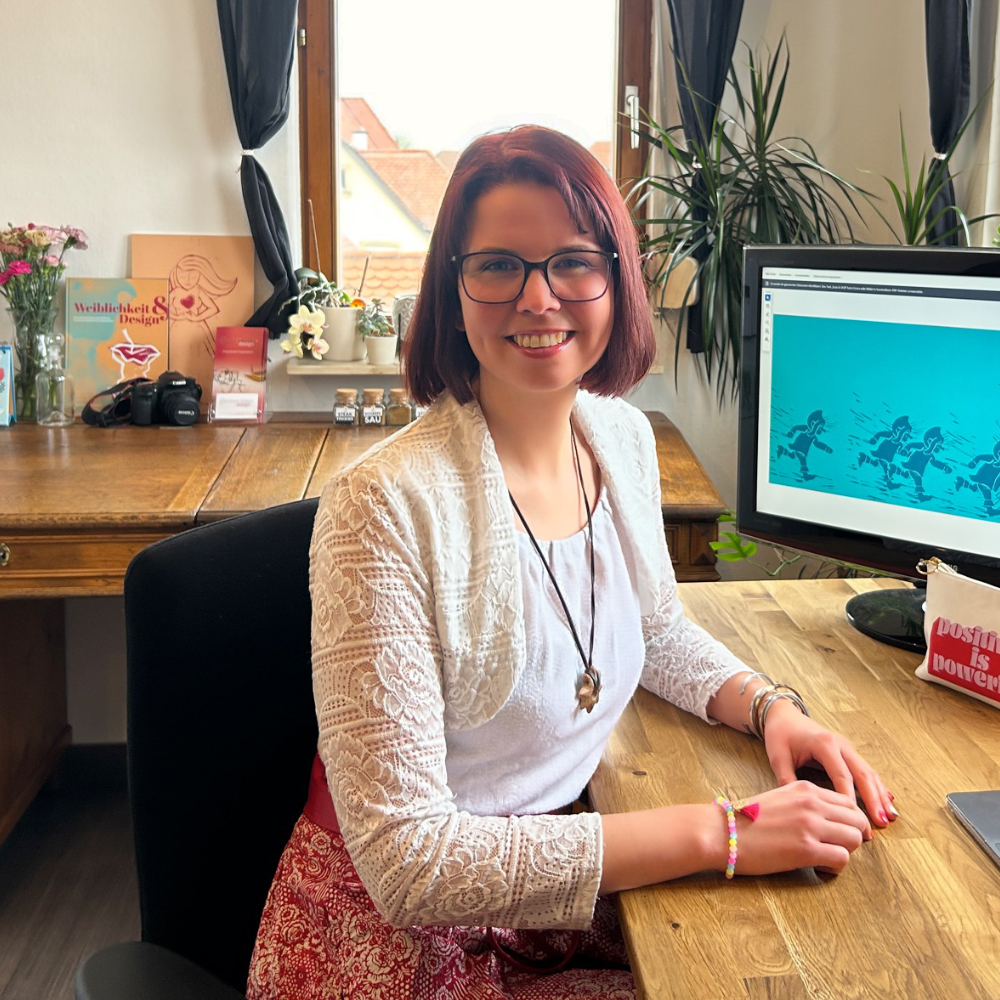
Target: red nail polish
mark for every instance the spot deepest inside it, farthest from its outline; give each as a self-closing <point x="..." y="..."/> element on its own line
<point x="882" y="816"/>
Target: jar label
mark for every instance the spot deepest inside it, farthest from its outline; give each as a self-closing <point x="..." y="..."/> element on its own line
<point x="372" y="414"/>
<point x="344" y="415"/>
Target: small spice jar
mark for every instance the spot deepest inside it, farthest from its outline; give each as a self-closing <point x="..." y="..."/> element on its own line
<point x="398" y="412"/>
<point x="373" y="408"/>
<point x="345" y="408"/>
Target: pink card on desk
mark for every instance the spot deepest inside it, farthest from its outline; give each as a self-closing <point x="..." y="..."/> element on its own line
<point x="239" y="378"/>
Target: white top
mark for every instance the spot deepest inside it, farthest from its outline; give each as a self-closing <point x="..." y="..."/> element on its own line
<point x="539" y="750"/>
<point x="419" y="633"/>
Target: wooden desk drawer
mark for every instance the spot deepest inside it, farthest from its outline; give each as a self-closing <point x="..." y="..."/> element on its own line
<point x="68" y="564"/>
<point x="690" y="552"/>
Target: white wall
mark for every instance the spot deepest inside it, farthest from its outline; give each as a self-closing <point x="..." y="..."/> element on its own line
<point x="117" y="119"/>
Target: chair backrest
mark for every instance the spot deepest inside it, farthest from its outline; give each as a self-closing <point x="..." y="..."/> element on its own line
<point x="221" y="726"/>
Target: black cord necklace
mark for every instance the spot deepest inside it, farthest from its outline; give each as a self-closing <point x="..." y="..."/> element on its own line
<point x="589" y="691"/>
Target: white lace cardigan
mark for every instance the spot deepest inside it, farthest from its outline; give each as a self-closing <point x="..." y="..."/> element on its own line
<point x="418" y="630"/>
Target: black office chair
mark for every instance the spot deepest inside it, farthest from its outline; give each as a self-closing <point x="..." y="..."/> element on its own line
<point x="221" y="737"/>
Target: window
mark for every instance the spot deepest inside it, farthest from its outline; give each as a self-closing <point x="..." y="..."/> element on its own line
<point x="375" y="162"/>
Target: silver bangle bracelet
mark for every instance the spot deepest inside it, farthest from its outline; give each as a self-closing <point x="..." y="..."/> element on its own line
<point x="791" y="695"/>
<point x="750" y="676"/>
<point x="762" y="700"/>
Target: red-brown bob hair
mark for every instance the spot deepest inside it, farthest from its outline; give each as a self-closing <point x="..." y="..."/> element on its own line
<point x="436" y="354"/>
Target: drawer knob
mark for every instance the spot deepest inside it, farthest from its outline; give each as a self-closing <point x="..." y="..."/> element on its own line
<point x="4" y="554"/>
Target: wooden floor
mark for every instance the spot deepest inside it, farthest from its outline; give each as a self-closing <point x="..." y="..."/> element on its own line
<point x="67" y="877"/>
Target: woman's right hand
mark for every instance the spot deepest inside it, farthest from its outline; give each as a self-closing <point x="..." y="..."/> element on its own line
<point x="798" y="825"/>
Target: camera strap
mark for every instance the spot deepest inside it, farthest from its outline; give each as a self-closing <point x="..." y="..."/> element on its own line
<point x="117" y="411"/>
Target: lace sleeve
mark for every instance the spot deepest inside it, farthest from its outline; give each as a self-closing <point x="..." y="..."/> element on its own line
<point x="378" y="686"/>
<point x="683" y="664"/>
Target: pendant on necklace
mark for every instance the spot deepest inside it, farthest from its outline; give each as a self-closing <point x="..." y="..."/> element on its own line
<point x="589" y="693"/>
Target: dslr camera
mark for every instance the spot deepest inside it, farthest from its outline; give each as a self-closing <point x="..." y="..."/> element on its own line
<point x="171" y="399"/>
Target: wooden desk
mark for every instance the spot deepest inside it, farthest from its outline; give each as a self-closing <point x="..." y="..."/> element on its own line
<point x="916" y="913"/>
<point x="77" y="503"/>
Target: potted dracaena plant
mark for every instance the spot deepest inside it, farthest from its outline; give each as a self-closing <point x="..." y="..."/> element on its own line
<point x="741" y="185"/>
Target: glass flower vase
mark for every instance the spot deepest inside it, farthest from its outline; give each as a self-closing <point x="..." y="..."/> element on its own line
<point x="54" y="398"/>
<point x="53" y="385"/>
<point x="34" y="329"/>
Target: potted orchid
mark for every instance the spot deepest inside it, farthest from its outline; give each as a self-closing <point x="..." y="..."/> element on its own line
<point x="339" y="311"/>
<point x="31" y="264"/>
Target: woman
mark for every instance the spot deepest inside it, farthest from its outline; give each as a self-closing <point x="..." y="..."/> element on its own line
<point x="489" y="587"/>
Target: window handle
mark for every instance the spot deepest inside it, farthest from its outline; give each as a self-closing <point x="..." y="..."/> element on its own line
<point x="632" y="110"/>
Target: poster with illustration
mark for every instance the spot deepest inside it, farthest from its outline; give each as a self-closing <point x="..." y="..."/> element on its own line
<point x="210" y="285"/>
<point x="116" y="329"/>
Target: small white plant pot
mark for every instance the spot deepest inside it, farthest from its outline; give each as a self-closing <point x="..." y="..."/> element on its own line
<point x="381" y="350"/>
<point x="341" y="333"/>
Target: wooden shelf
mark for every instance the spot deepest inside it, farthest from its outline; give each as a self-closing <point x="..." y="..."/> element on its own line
<point x="299" y="366"/>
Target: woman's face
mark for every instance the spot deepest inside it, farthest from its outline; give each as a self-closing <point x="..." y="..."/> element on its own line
<point x="532" y="221"/>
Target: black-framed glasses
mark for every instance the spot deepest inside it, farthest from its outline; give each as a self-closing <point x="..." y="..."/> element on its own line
<point x="572" y="275"/>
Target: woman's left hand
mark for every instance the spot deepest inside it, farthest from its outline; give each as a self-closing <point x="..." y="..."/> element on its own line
<point x="793" y="740"/>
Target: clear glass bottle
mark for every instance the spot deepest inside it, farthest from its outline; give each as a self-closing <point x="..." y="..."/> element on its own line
<point x="54" y="385"/>
<point x="373" y="408"/>
<point x="345" y="408"/>
<point x="399" y="411"/>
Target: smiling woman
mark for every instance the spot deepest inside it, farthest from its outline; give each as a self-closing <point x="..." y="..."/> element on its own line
<point x="524" y="320"/>
<point x="490" y="586"/>
<point x="527" y="204"/>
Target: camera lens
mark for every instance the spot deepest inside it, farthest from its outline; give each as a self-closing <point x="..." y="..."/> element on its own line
<point x="179" y="408"/>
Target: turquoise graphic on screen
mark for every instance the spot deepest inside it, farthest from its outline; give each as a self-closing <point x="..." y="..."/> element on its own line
<point x="891" y="412"/>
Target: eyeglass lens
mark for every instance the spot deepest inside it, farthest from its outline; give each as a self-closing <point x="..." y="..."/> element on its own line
<point x="574" y="276"/>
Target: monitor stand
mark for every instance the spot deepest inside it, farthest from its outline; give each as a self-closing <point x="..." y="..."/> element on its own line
<point x="892" y="616"/>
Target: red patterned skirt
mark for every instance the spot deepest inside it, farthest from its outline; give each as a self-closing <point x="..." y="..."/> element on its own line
<point x="321" y="937"/>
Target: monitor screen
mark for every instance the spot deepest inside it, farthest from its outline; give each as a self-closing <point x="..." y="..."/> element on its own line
<point x="870" y="404"/>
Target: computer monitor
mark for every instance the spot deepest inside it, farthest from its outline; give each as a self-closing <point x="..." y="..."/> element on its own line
<point x="869" y="425"/>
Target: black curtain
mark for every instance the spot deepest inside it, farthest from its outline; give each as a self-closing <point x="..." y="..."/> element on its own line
<point x="704" y="36"/>
<point x="258" y="39"/>
<point x="947" y="35"/>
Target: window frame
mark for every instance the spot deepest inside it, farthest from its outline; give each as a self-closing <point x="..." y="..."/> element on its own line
<point x="319" y="122"/>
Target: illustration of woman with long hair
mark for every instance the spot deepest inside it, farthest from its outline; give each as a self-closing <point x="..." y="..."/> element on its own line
<point x="195" y="288"/>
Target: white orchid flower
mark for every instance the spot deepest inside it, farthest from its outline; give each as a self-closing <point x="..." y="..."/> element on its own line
<point x="292" y="345"/>
<point x="304" y="329"/>
<point x="306" y="321"/>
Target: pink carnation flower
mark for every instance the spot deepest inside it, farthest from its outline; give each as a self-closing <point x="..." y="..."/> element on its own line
<point x="79" y="238"/>
<point x="51" y="259"/>
<point x="18" y="267"/>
